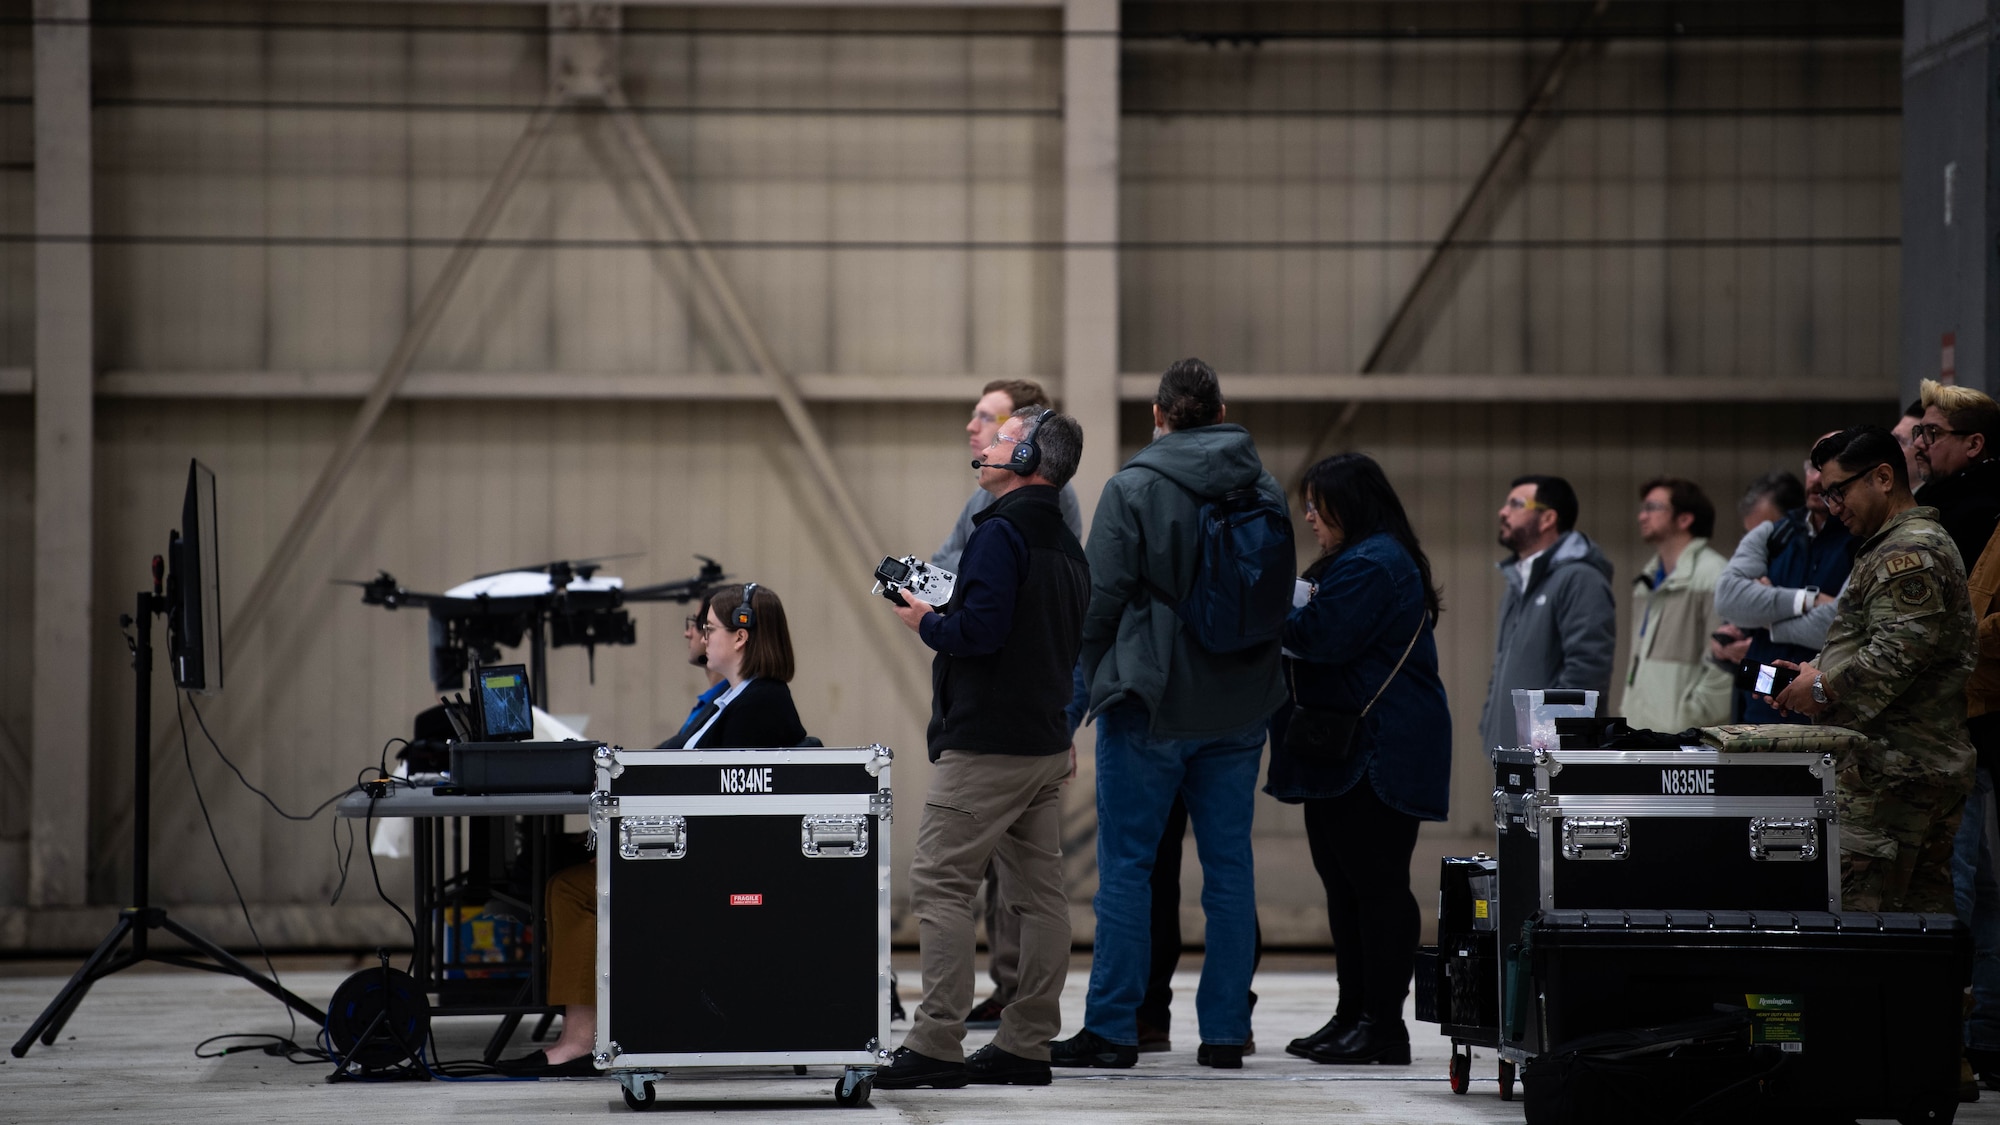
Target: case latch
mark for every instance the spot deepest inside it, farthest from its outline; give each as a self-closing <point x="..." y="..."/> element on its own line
<point x="1784" y="840"/>
<point x="833" y="835"/>
<point x="653" y="837"/>
<point x="1596" y="837"/>
<point x="881" y="761"/>
<point x="606" y="758"/>
<point x="1524" y="809"/>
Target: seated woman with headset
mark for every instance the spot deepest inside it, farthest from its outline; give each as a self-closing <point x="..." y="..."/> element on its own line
<point x="749" y="645"/>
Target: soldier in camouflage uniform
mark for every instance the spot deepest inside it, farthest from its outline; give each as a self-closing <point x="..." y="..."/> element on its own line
<point x="1894" y="668"/>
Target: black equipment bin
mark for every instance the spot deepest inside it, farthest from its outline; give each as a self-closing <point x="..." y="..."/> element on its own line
<point x="1866" y="1007"/>
<point x="743" y="912"/>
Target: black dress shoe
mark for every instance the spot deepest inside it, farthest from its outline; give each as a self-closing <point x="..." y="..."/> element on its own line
<point x="1221" y="1056"/>
<point x="1087" y="1048"/>
<point x="1333" y="1029"/>
<point x="1367" y="1042"/>
<point x="536" y="1064"/>
<point x="908" y="1070"/>
<point x="985" y="1015"/>
<point x="537" y="1059"/>
<point x="991" y="1066"/>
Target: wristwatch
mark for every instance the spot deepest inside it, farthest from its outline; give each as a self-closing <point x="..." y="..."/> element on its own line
<point x="1819" y="689"/>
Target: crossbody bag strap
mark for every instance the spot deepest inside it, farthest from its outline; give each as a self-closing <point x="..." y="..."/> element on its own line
<point x="1407" y="649"/>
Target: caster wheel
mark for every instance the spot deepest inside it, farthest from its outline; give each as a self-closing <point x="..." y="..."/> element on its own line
<point x="1461" y="1073"/>
<point x="634" y="1102"/>
<point x="856" y="1098"/>
<point x="1506" y="1081"/>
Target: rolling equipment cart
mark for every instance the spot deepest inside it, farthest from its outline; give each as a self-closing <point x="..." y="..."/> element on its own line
<point x="731" y="885"/>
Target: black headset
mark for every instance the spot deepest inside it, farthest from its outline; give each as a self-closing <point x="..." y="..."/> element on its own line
<point x="744" y="617"/>
<point x="1027" y="453"/>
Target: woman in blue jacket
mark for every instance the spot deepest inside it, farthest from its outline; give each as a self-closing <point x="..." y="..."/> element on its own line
<point x="1363" y="644"/>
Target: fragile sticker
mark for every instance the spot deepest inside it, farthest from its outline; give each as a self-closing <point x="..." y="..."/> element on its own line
<point x="746" y="900"/>
<point x="1479" y="908"/>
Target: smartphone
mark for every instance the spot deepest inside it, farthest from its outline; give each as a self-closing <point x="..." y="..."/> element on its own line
<point x="1723" y="639"/>
<point x="1772" y="679"/>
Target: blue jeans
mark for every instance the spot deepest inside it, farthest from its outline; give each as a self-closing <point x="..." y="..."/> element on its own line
<point x="1978" y="893"/>
<point x="1138" y="776"/>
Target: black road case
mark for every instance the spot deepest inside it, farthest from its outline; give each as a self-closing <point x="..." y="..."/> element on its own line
<point x="743" y="914"/>
<point x="1464" y="975"/>
<point x="1867" y="1005"/>
<point x="1687" y="829"/>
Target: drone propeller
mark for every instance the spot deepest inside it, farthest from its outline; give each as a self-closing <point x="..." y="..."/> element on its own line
<point x="582" y="568"/>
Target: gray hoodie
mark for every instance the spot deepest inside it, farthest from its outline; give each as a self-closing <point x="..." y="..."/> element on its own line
<point x="1147" y="530"/>
<point x="1561" y="631"/>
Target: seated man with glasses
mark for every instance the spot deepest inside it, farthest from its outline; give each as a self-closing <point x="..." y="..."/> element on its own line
<point x="1894" y="668"/>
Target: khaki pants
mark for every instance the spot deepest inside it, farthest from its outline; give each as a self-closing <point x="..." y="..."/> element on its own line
<point x="571" y="907"/>
<point x="1003" y="808"/>
<point x="1003" y="940"/>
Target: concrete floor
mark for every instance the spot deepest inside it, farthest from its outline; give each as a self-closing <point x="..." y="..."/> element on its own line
<point x="127" y="1056"/>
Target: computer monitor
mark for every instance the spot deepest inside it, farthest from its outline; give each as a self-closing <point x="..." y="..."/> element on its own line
<point x="194" y="613"/>
<point x="506" y="708"/>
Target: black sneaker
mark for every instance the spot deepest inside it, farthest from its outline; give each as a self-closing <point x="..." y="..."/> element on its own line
<point x="1087" y="1048"/>
<point x="1221" y="1056"/>
<point x="991" y="1066"/>
<point x="908" y="1070"/>
<point x="985" y="1015"/>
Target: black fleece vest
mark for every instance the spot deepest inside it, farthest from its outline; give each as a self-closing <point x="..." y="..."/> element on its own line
<point x="1012" y="701"/>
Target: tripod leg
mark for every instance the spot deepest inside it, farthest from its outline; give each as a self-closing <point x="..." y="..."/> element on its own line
<point x="229" y="964"/>
<point x="505" y="1032"/>
<point x="57" y="1013"/>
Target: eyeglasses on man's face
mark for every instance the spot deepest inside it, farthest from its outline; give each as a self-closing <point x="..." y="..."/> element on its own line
<point x="1516" y="504"/>
<point x="1929" y="432"/>
<point x="1835" y="491"/>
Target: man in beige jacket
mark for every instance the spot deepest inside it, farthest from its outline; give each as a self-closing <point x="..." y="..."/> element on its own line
<point x="1671" y="685"/>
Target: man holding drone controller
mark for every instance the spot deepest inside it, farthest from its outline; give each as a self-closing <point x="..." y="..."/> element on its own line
<point x="1001" y="400"/>
<point x="1006" y="646"/>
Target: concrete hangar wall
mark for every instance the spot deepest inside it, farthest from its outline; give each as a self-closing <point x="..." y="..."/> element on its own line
<point x="1473" y="240"/>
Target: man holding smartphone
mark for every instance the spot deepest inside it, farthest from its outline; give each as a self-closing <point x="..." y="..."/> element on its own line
<point x="1894" y="668"/>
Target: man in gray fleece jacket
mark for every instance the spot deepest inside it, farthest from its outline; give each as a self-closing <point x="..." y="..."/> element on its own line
<point x="1558" y="621"/>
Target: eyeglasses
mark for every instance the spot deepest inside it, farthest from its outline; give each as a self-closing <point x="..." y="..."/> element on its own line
<point x="1516" y="504"/>
<point x="1654" y="506"/>
<point x="707" y="627"/>
<point x="693" y="621"/>
<point x="1929" y="432"/>
<point x="1015" y="440"/>
<point x="985" y="419"/>
<point x="1835" y="490"/>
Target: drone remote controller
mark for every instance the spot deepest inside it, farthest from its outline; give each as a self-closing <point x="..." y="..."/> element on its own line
<point x="930" y="584"/>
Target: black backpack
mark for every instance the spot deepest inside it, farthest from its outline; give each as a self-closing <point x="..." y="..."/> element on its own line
<point x="1242" y="589"/>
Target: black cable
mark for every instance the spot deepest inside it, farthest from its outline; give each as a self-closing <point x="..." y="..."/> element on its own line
<point x="320" y="808"/>
<point x="187" y="756"/>
<point x="278" y="1047"/>
<point x="376" y="872"/>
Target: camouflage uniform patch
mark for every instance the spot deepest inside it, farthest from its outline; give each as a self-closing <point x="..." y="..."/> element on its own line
<point x="1896" y="660"/>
